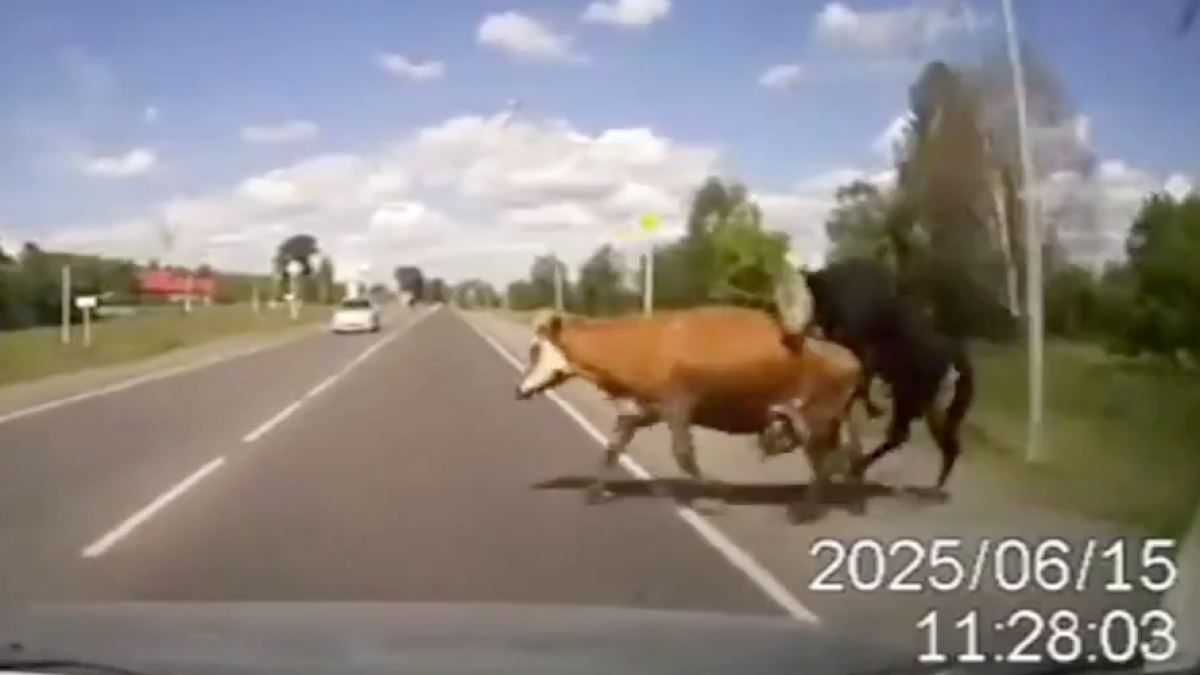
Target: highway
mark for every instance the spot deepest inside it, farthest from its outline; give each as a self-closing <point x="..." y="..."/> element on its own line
<point x="399" y="467"/>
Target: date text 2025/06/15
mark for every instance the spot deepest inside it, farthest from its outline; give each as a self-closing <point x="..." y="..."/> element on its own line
<point x="1013" y="565"/>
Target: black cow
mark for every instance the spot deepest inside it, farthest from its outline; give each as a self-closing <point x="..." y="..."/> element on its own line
<point x="857" y="303"/>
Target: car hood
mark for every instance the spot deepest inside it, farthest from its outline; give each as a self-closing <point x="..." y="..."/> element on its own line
<point x="298" y="638"/>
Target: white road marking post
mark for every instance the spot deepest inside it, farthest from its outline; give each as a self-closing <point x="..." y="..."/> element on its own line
<point x="127" y="526"/>
<point x="734" y="554"/>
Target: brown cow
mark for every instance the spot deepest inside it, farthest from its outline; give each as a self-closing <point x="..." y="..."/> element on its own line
<point x="723" y="368"/>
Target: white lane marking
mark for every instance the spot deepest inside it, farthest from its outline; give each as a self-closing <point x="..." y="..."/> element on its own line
<point x="127" y="526"/>
<point x="734" y="554"/>
<point x="295" y="406"/>
<point x="152" y="376"/>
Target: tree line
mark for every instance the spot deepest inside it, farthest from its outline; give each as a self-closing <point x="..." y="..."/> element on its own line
<point x="31" y="281"/>
<point x="950" y="225"/>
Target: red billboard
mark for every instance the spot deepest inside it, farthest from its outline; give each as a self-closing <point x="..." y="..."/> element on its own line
<point x="166" y="282"/>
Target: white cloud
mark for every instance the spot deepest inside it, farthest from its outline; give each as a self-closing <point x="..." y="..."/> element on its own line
<point x="417" y="71"/>
<point x="901" y="30"/>
<point x="136" y="162"/>
<point x="524" y="37"/>
<point x="150" y="114"/>
<point x="627" y="13"/>
<point x="468" y="196"/>
<point x="478" y="196"/>
<point x="290" y="131"/>
<point x="783" y="76"/>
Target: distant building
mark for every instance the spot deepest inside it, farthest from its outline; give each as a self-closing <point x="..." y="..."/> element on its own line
<point x="176" y="285"/>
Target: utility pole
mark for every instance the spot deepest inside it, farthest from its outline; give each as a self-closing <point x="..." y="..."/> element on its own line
<point x="648" y="282"/>
<point x="65" y="300"/>
<point x="558" y="285"/>
<point x="1033" y="240"/>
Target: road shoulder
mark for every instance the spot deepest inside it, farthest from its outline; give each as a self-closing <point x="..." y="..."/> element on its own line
<point x="16" y="398"/>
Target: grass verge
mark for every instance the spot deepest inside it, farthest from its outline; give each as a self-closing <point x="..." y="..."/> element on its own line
<point x="1119" y="434"/>
<point x="38" y="353"/>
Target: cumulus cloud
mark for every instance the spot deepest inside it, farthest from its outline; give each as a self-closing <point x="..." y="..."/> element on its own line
<point x="290" y="131"/>
<point x="783" y="76"/>
<point x="627" y="13"/>
<point x="481" y="196"/>
<point x="409" y="69"/>
<point x="473" y="195"/>
<point x="900" y="30"/>
<point x="524" y="37"/>
<point x="136" y="162"/>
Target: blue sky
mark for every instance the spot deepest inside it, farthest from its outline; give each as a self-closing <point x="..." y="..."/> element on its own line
<point x="87" y="71"/>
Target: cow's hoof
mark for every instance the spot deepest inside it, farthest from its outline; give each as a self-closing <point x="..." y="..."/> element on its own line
<point x="926" y="495"/>
<point x="801" y="513"/>
<point x="597" y="494"/>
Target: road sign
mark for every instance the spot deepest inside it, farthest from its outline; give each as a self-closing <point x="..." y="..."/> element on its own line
<point x="648" y="222"/>
<point x="86" y="301"/>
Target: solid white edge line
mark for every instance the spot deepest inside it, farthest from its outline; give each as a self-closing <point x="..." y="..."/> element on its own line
<point x="292" y="408"/>
<point x="734" y="554"/>
<point x="127" y="526"/>
<point x="152" y="376"/>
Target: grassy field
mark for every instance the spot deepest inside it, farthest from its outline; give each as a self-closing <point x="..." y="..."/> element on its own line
<point x="34" y="354"/>
<point x="1121" y="436"/>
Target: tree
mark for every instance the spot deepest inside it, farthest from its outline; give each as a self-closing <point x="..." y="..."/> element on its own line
<point x="437" y="290"/>
<point x="326" y="278"/>
<point x="410" y="280"/>
<point x="857" y="228"/>
<point x="301" y="248"/>
<point x="1163" y="248"/>
<point x="546" y="275"/>
<point x="600" y="289"/>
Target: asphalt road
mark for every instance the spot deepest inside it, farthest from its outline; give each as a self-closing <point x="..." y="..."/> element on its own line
<point x="398" y="467"/>
<point x="410" y="477"/>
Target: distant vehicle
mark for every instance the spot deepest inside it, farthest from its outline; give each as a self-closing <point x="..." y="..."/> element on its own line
<point x="356" y="315"/>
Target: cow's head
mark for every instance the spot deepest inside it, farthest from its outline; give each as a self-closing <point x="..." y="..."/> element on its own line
<point x="548" y="366"/>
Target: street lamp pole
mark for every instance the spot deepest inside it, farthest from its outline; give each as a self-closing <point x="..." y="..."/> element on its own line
<point x="1033" y="240"/>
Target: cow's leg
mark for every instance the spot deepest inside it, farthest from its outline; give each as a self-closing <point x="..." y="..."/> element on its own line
<point x="868" y="360"/>
<point x="946" y="437"/>
<point x="627" y="425"/>
<point x="863" y="391"/>
<point x="678" y="414"/>
<point x="789" y="414"/>
<point x="898" y="433"/>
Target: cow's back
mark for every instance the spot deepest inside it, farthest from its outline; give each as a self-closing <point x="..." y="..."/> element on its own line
<point x="730" y="355"/>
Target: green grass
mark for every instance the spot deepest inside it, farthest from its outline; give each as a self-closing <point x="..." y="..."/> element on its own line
<point x="1120" y="435"/>
<point x="37" y="353"/>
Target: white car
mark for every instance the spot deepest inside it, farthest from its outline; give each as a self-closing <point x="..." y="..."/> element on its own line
<point x="356" y="315"/>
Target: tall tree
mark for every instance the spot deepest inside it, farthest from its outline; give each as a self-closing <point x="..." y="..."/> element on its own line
<point x="410" y="280"/>
<point x="301" y="248"/>
<point x="600" y="289"/>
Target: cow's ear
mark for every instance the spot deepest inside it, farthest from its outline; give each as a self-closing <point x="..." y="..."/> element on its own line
<point x="548" y="324"/>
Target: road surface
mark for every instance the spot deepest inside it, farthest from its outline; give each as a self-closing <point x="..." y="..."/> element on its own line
<point x="399" y="467"/>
